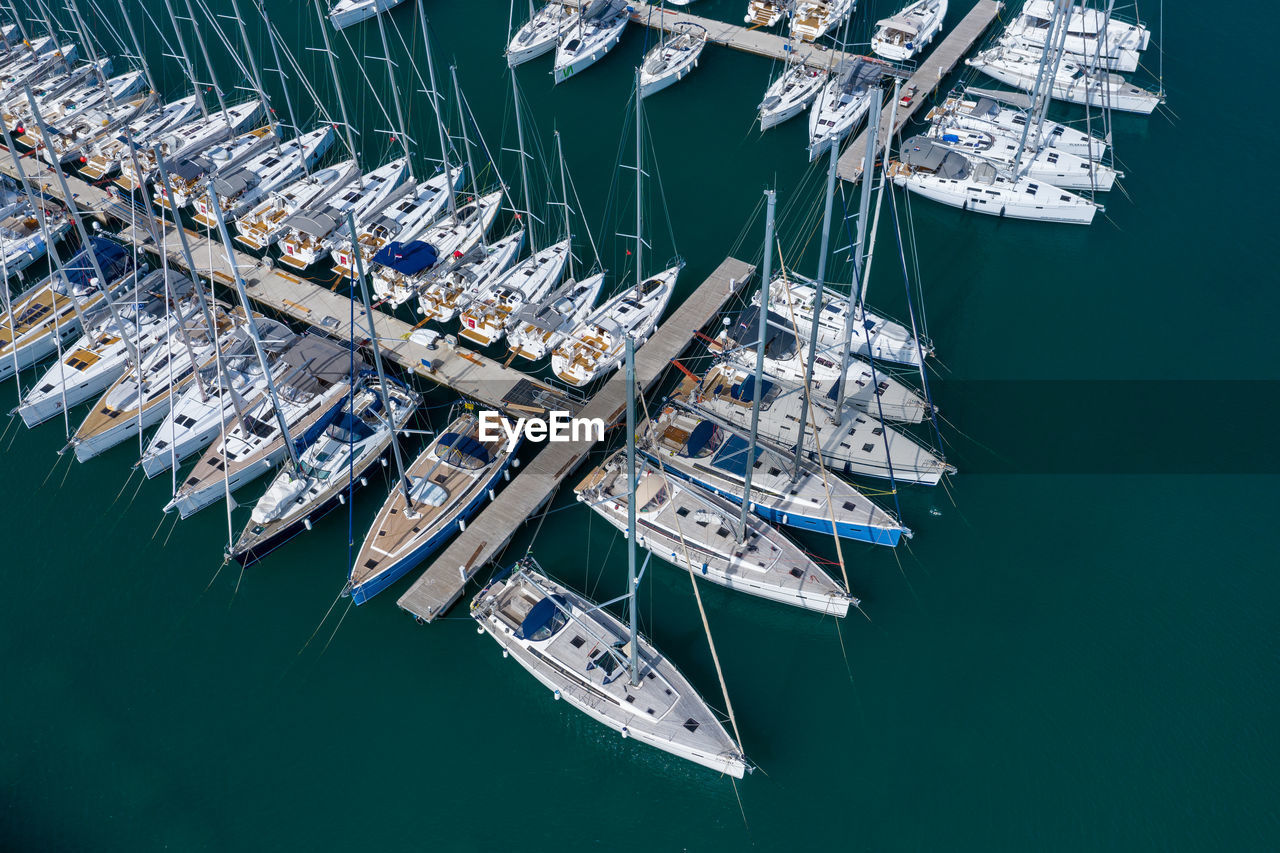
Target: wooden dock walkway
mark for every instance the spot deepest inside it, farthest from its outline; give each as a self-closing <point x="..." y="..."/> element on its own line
<point x="927" y="77"/>
<point x="444" y="581"/>
<point x="748" y="39"/>
<point x="469" y="373"/>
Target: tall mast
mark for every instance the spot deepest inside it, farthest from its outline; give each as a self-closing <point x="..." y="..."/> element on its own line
<point x="337" y="86"/>
<point x="633" y="664"/>
<point x="252" y="325"/>
<point x="185" y="60"/>
<point x="818" y="285"/>
<point x="639" y="187"/>
<point x="82" y="31"/>
<point x="434" y="94"/>
<point x="284" y="85"/>
<point x="763" y="332"/>
<point x="466" y="142"/>
<point x="208" y="64"/>
<point x="254" y="74"/>
<point x="1042" y="91"/>
<point x="137" y="48"/>
<point x="859" y="247"/>
<point x="564" y="195"/>
<point x="377" y="358"/>
<point x="74" y="210"/>
<point x="395" y="95"/>
<point x="524" y="171"/>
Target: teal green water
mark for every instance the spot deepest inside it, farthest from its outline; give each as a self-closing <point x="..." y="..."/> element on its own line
<point x="1068" y="661"/>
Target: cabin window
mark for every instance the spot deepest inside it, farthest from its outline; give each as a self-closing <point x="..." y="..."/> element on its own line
<point x="867" y="448"/>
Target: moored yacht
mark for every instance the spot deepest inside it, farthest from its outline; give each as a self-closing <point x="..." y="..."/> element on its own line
<point x="595" y="30"/>
<point x="493" y="308"/>
<point x="240" y="186"/>
<point x="262" y="226"/>
<point x="673" y="57"/>
<point x="1017" y="65"/>
<point x="449" y="287"/>
<point x="790" y="94"/>
<point x="1092" y="35"/>
<point x="905" y="34"/>
<point x="537" y="329"/>
<point x="540" y="33"/>
<point x="843" y="102"/>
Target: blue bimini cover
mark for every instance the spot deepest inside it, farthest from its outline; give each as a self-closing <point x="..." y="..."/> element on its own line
<point x="702" y="435"/>
<point x="744" y="391"/>
<point x="462" y="451"/>
<point x="545" y="616"/>
<point x="407" y="258"/>
<point x="732" y="456"/>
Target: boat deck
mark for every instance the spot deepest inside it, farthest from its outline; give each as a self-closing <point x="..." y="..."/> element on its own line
<point x="443" y="582"/>
<point x="927" y="77"/>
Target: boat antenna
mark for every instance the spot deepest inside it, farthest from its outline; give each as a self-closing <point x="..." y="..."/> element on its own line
<point x="74" y="210"/>
<point x="252" y="326"/>
<point x="633" y="664"/>
<point x="763" y="333"/>
<point x="818" y="284"/>
<point x="337" y="87"/>
<point x="524" y="168"/>
<point x="434" y="95"/>
<point x="859" y="280"/>
<point x="395" y="96"/>
<point x="359" y="273"/>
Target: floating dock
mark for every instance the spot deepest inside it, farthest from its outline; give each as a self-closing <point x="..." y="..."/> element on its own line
<point x="927" y="77"/>
<point x="444" y="581"/>
<point x="469" y="373"/>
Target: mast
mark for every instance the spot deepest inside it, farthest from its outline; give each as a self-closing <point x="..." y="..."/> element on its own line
<point x="284" y="86"/>
<point x="639" y="187"/>
<point x="524" y="171"/>
<point x="633" y="664"/>
<point x="208" y="64"/>
<point x="395" y="95"/>
<point x="435" y="105"/>
<point x="252" y="325"/>
<point x="337" y="86"/>
<point x="137" y="48"/>
<point x="763" y="332"/>
<point x="818" y="285"/>
<point x="564" y="195"/>
<point x="185" y="61"/>
<point x="72" y="209"/>
<point x="1042" y="91"/>
<point x="466" y="145"/>
<point x="859" y="280"/>
<point x="82" y="31"/>
<point x="255" y="75"/>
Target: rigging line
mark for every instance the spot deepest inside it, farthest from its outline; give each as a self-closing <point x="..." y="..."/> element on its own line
<point x="336" y="627"/>
<point x="813" y="422"/>
<point x="693" y="581"/>
<point x="324" y="619"/>
<point x="924" y="374"/>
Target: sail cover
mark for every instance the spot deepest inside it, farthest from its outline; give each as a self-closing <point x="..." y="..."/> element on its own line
<point x="407" y="258"/>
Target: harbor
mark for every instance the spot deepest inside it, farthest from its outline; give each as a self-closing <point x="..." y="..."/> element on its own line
<point x="857" y="450"/>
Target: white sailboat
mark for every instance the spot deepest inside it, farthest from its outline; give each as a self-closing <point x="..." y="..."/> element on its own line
<point x="902" y="36"/>
<point x="1092" y="35"/>
<point x="791" y="93"/>
<point x="850" y="92"/>
<point x="344" y="13"/>
<point x="22" y="240"/>
<point x="764" y="13"/>
<point x="539" y="328"/>
<point x="812" y="19"/>
<point x="673" y="58"/>
<point x="106" y="156"/>
<point x="693" y="529"/>
<point x="593" y="33"/>
<point x="242" y="185"/>
<point x="1074" y="80"/>
<point x="262" y="226"/>
<point x="540" y="33"/>
<point x="1059" y="168"/>
<point x="183" y="141"/>
<point x="492" y="309"/>
<point x="1006" y="113"/>
<point x="415" y="208"/>
<point x="449" y="287"/>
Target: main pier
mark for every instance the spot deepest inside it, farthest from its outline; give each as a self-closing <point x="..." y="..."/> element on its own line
<point x="443" y="582"/>
<point x="927" y="77"/>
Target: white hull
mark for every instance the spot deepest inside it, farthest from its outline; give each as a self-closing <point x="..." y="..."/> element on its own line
<point x="585" y="44"/>
<point x="539" y="35"/>
<point x="1071" y="84"/>
<point x="348" y="12"/>
<point x="790" y="95"/>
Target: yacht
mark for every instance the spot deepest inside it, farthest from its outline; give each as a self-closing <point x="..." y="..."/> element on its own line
<point x="262" y="226"/>
<point x="1013" y="63"/>
<point x="812" y="19"/>
<point x="843" y="102"/>
<point x="540" y="33"/>
<point x="107" y="156"/>
<point x="984" y="110"/>
<point x="1091" y="34"/>
<point x="673" y="57"/>
<point x="303" y="243"/>
<point x="493" y="308"/>
<point x="789" y="95"/>
<point x="188" y="177"/>
<point x="450" y="287"/>
<point x="595" y="30"/>
<point x="241" y="186"/>
<point x="539" y="328"/>
<point x="1059" y="168"/>
<point x="183" y="141"/>
<point x="902" y="36"/>
<point x="344" y="13"/>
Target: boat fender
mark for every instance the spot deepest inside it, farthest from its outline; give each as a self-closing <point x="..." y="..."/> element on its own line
<point x="479" y="629"/>
<point x="491" y="494"/>
<point x="506" y="475"/>
<point x="812" y="579"/>
<point x="505" y="653"/>
<point x="306" y="522"/>
<point x="556" y="695"/>
<point x="1002" y="211"/>
<point x="625" y="733"/>
<point x="342" y="498"/>
<point x="462" y="524"/>
<point x="364" y="481"/>
<point x="384" y="462"/>
<point x="515" y="463"/>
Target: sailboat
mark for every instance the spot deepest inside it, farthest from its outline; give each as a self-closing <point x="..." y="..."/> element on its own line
<point x="672" y="58"/>
<point x="791" y="93"/>
<point x="189" y="175"/>
<point x="447" y="288"/>
<point x="597" y="28"/>
<point x="693" y="529"/>
<point x="851" y="91"/>
<point x="596" y="346"/>
<point x="435" y="497"/>
<point x="241" y="185"/>
<point x="902" y="36"/>
<point x="184" y="141"/>
<point x="219" y="394"/>
<point x="1092" y="34"/>
<point x="1005" y="113"/>
<point x="1073" y="80"/>
<point x="262" y="226"/>
<point x="313" y="388"/>
<point x="490" y="313"/>
<point x="765" y="13"/>
<point x="604" y="668"/>
<point x="353" y="439"/>
<point x="1060" y="168"/>
<point x="344" y="13"/>
<point x="22" y="240"/>
<point x="148" y="313"/>
<point x="540" y="33"/>
<point x="51" y="311"/>
<point x="105" y="157"/>
<point x="812" y="19"/>
<point x="539" y="328"/>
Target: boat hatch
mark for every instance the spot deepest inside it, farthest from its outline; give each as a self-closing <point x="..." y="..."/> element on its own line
<point x="546" y="618"/>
